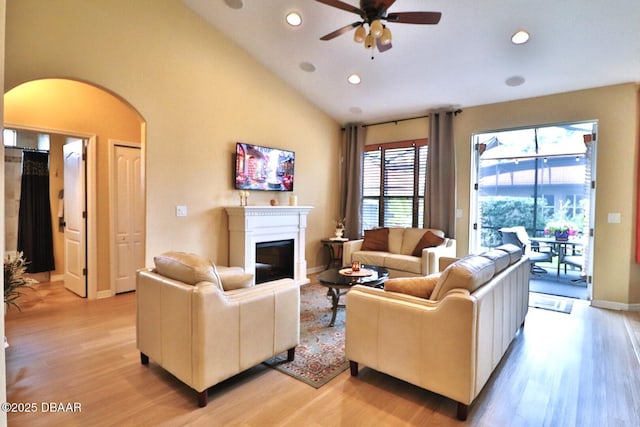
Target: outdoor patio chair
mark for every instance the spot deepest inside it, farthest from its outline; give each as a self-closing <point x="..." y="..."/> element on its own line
<point x="516" y="237"/>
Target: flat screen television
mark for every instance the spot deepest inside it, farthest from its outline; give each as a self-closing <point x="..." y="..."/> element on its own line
<point x="263" y="168"/>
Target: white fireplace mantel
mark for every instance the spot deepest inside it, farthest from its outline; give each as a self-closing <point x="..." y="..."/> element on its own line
<point x="249" y="225"/>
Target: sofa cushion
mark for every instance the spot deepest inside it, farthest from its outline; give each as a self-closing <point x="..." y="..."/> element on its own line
<point x="421" y="287"/>
<point x="428" y="240"/>
<point x="376" y="240"/>
<point x="468" y="273"/>
<point x="500" y="258"/>
<point x="186" y="267"/>
<point x="396" y="240"/>
<point x="407" y="263"/>
<point x="370" y="257"/>
<point x="515" y="253"/>
<point x="231" y="281"/>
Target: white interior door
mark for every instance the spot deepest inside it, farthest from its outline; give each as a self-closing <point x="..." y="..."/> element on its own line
<point x="129" y="216"/>
<point x="75" y="257"/>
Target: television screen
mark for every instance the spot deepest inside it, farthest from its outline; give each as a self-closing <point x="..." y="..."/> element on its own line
<point x="263" y="168"/>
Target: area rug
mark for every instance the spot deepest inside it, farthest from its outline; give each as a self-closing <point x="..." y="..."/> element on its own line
<point x="320" y="355"/>
<point x="548" y="302"/>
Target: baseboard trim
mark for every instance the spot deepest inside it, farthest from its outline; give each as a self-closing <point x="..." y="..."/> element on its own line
<point x="315" y="269"/>
<point x="611" y="305"/>
<point x="104" y="294"/>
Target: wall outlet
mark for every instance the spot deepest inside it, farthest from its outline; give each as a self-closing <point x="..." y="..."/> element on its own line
<point x="458" y="213"/>
<point x="181" y="210"/>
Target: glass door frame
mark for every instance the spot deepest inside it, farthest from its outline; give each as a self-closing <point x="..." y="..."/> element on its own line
<point x="474" y="197"/>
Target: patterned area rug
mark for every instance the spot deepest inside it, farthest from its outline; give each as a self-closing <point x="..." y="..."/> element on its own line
<point x="548" y="302"/>
<point x="320" y="355"/>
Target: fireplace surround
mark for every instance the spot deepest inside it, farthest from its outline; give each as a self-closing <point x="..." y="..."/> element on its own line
<point x="251" y="225"/>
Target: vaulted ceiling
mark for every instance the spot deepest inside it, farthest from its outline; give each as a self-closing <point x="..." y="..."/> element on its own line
<point x="467" y="59"/>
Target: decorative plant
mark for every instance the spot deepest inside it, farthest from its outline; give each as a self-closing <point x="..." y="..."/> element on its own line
<point x="15" y="280"/>
<point x="561" y="225"/>
<point x="340" y="223"/>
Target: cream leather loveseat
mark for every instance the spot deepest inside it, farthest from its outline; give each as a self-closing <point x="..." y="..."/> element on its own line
<point x="450" y="340"/>
<point x="203" y="334"/>
<point x="402" y="251"/>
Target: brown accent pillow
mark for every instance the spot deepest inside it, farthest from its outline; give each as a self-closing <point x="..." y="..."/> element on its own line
<point x="376" y="240"/>
<point x="420" y="287"/>
<point x="428" y="240"/>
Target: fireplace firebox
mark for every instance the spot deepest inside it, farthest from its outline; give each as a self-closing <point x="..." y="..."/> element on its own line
<point x="274" y="260"/>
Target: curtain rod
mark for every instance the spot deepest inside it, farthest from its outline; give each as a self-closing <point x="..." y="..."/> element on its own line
<point x="455" y="113"/>
<point x="396" y="121"/>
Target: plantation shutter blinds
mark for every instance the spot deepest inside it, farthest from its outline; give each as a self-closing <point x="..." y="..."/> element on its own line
<point x="393" y="185"/>
<point x="399" y="187"/>
<point x="371" y="189"/>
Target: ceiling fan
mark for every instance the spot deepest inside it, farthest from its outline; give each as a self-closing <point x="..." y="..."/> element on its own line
<point x="372" y="13"/>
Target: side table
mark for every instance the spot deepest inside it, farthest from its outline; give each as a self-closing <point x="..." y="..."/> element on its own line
<point x="334" y="247"/>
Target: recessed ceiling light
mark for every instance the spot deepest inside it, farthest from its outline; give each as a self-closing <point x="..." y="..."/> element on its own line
<point x="354" y="79"/>
<point x="355" y="110"/>
<point x="308" y="67"/>
<point x="294" y="19"/>
<point x="520" y="37"/>
<point x="514" y="81"/>
<point x="234" y="4"/>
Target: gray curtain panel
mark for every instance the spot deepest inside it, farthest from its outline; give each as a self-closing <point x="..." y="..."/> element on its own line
<point x="440" y="191"/>
<point x="351" y="179"/>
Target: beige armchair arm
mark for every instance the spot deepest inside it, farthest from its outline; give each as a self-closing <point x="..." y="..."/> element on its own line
<point x="348" y="248"/>
<point x="431" y="256"/>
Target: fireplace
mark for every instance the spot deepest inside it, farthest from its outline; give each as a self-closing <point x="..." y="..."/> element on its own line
<point x="252" y="226"/>
<point x="274" y="260"/>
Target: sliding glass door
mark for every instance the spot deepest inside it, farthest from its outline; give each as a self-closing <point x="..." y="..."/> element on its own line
<point x="541" y="179"/>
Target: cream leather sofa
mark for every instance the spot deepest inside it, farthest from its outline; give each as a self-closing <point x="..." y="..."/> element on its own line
<point x="451" y="342"/>
<point x="398" y="259"/>
<point x="188" y="324"/>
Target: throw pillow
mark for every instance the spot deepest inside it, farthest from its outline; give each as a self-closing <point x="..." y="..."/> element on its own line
<point x="376" y="240"/>
<point x="186" y="267"/>
<point x="236" y="281"/>
<point x="420" y="287"/>
<point x="428" y="240"/>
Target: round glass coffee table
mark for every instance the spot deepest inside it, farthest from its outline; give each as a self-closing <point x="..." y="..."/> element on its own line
<point x="339" y="281"/>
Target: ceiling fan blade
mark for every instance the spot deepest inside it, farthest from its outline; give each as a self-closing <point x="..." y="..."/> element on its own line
<point x="415" y="17"/>
<point x="343" y="6"/>
<point x="382" y="47"/>
<point x="341" y="31"/>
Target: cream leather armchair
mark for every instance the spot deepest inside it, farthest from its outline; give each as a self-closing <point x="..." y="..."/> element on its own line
<point x="188" y="324"/>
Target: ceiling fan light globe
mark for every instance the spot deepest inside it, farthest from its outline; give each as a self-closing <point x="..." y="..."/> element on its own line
<point x="385" y="38"/>
<point x="369" y="41"/>
<point x="359" y="35"/>
<point x="376" y="28"/>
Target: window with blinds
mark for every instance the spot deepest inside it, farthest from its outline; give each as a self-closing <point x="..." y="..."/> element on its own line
<point x="393" y="184"/>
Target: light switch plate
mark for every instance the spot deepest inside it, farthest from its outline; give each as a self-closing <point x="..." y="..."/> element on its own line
<point x="613" y="218"/>
<point x="181" y="210"/>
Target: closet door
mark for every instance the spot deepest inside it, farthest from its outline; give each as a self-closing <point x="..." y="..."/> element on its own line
<point x="129" y="216"/>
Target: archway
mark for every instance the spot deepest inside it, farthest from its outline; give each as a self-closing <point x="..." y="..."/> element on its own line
<point x="82" y="110"/>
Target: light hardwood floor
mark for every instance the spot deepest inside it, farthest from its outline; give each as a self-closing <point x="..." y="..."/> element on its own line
<point x="561" y="370"/>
